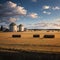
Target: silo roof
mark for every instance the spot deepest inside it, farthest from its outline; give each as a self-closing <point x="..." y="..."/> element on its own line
<point x="12" y="24"/>
<point x="21" y="25"/>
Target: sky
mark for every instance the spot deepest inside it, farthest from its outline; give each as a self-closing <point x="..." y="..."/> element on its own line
<point x="33" y="14"/>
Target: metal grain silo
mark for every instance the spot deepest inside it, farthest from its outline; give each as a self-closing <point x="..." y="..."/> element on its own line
<point x="21" y="27"/>
<point x="13" y="27"/>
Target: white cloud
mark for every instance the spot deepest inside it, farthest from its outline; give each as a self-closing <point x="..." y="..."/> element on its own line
<point x="11" y="19"/>
<point x="46" y="24"/>
<point x="10" y="10"/>
<point x="34" y="0"/>
<point x="8" y="20"/>
<point x="45" y="12"/>
<point x="46" y="7"/>
<point x="14" y="8"/>
<point x="33" y="15"/>
<point x="20" y="10"/>
<point x="10" y="4"/>
<point x="56" y="8"/>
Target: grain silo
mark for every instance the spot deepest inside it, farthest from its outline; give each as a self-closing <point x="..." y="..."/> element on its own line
<point x="21" y="27"/>
<point x="13" y="27"/>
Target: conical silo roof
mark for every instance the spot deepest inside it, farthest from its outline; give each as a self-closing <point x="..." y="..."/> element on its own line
<point x="12" y="24"/>
<point x="21" y="25"/>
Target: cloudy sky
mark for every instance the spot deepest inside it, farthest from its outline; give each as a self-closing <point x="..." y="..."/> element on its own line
<point x="39" y="14"/>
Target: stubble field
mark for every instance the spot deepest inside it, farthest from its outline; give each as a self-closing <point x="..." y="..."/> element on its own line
<point x="29" y="43"/>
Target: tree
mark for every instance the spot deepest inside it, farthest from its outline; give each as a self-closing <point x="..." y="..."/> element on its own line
<point x="1" y="28"/>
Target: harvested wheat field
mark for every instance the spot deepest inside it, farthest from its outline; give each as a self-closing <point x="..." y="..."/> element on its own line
<point x="39" y="41"/>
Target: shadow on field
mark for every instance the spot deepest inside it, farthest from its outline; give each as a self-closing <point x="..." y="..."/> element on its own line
<point x="23" y="55"/>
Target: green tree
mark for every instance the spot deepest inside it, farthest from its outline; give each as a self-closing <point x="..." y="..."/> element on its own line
<point x="1" y="28"/>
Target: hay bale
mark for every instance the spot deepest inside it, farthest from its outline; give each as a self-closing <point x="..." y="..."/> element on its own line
<point x="16" y="36"/>
<point x="49" y="36"/>
<point x="36" y="36"/>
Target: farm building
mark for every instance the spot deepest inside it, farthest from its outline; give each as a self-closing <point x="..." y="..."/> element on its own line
<point x="13" y="27"/>
<point x="21" y="27"/>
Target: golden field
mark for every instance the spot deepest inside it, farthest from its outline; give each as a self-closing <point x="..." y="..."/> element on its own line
<point x="27" y="42"/>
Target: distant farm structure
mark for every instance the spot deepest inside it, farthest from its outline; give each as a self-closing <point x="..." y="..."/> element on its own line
<point x="13" y="27"/>
<point x="20" y="28"/>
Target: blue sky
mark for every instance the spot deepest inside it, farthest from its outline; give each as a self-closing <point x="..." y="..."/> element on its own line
<point x="32" y="13"/>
